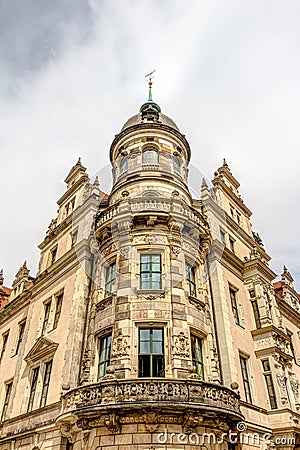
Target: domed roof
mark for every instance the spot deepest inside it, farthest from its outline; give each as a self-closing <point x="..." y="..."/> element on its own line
<point x="150" y="112"/>
<point x="138" y="119"/>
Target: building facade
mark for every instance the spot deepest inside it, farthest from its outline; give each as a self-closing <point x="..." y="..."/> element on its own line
<point x="153" y="321"/>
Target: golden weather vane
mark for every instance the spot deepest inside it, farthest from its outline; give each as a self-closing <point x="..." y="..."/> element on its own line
<point x="150" y="76"/>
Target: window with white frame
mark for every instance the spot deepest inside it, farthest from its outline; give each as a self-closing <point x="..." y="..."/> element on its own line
<point x="39" y="374"/>
<point x="151" y="352"/>
<point x="149" y="156"/>
<point x="110" y="277"/>
<point x="124" y="164"/>
<point x="150" y="271"/>
<point x="4" y="344"/>
<point x="191" y="280"/>
<point x="197" y="355"/>
<point x="233" y="293"/>
<point x="104" y="354"/>
<point x="20" y="336"/>
<point x="58" y="306"/>
<point x="8" y="389"/>
<point x="244" y="361"/>
<point x="269" y="383"/>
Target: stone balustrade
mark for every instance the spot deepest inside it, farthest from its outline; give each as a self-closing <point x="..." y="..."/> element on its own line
<point x="127" y="393"/>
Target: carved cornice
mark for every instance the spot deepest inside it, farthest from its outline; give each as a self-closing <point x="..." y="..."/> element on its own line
<point x="25" y="424"/>
<point x="259" y="266"/>
<point x="288" y="311"/>
<point x="271" y="339"/>
<point x="218" y="252"/>
<point x="217" y="182"/>
<point x="16" y="305"/>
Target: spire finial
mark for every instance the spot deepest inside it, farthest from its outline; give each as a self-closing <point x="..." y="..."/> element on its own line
<point x="150" y="76"/>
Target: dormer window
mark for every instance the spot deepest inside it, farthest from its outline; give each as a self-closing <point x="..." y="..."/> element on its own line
<point x="150" y="156"/>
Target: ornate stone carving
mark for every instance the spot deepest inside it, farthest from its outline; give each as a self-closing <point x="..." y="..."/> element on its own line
<point x="191" y="420"/>
<point x="151" y="419"/>
<point x="120" y="345"/>
<point x="85" y="368"/>
<point x="110" y="421"/>
<point x="294" y="382"/>
<point x="176" y="250"/>
<point x="150" y="296"/>
<point x="69" y="431"/>
<point x="181" y="345"/>
<point x="104" y="303"/>
<point x="197" y="303"/>
<point x="125" y="391"/>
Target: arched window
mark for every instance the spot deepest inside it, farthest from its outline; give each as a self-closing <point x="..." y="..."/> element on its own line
<point x="176" y="164"/>
<point x="124" y="164"/>
<point x="150" y="156"/>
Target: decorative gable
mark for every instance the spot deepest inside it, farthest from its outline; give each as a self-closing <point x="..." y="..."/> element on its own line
<point x="43" y="348"/>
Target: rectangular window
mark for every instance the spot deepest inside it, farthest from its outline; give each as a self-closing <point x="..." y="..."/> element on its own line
<point x="245" y="377"/>
<point x="223" y="236"/>
<point x="53" y="255"/>
<point x="252" y="293"/>
<point x="6" y="401"/>
<point x="110" y="279"/>
<point x="256" y="313"/>
<point x="104" y="355"/>
<point x="58" y="306"/>
<point x="151" y="352"/>
<point x="33" y="386"/>
<point x="46" y="382"/>
<point x="232" y="244"/>
<point x="197" y="355"/>
<point x="74" y="236"/>
<point x="21" y="335"/>
<point x="234" y="305"/>
<point x="150" y="271"/>
<point x="4" y="344"/>
<point x="269" y="383"/>
<point x="47" y="307"/>
<point x="190" y="277"/>
<point x="290" y="335"/>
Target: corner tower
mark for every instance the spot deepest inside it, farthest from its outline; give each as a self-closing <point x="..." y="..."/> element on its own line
<point x="149" y="358"/>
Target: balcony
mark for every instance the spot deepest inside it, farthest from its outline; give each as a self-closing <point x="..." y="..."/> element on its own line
<point x="113" y="402"/>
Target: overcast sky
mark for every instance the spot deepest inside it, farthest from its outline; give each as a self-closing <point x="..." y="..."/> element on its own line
<point x="73" y="71"/>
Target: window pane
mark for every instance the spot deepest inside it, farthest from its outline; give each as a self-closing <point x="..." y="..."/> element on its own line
<point x="155" y="259"/>
<point x="144" y="347"/>
<point x="157" y="348"/>
<point x="157" y="334"/>
<point x="144" y="334"/>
